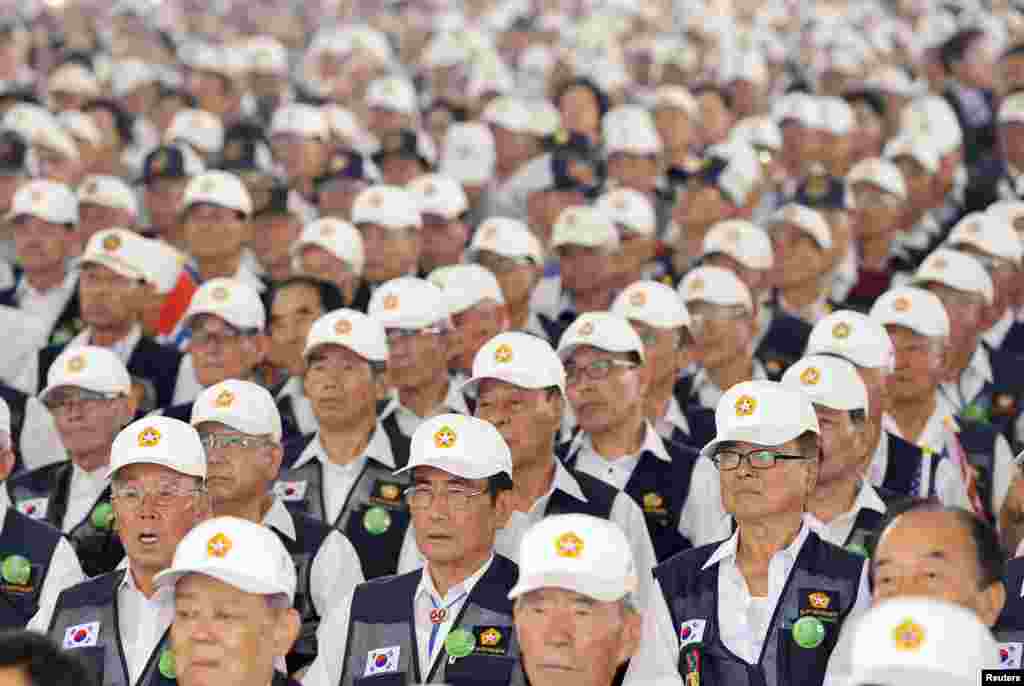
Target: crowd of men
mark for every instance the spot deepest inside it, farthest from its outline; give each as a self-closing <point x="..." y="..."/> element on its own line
<point x="545" y="342"/>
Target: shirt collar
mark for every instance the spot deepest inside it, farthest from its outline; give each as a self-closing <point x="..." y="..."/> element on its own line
<point x="466" y="586"/>
<point x="291" y="388"/>
<point x="565" y="482"/>
<point x="123" y="347"/>
<point x="280" y="519"/>
<point x="675" y="416"/>
<point x="379" y="448"/>
<point x="727" y="549"/>
<point x="980" y="364"/>
<point x="652" y="443"/>
<point x="868" y="499"/>
<point x="25" y="288"/>
<point x="997" y="334"/>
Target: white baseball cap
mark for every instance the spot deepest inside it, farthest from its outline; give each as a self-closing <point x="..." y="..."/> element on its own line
<point x="760" y="132"/>
<point x="630" y="209"/>
<point x="741" y="240"/>
<point x="162" y="264"/>
<point x="90" y="367"/>
<point x="463" y="446"/>
<point x="742" y="172"/>
<point x="853" y="336"/>
<point x="989" y="233"/>
<point x="468" y="154"/>
<point x="915" y="308"/>
<point x="676" y="98"/>
<point x="337" y="237"/>
<point x="763" y="413"/>
<point x="921" y="641"/>
<point x="880" y="173"/>
<point x="243" y="554"/>
<point x="129" y="74"/>
<point x="586" y="226"/>
<point x="958" y="270"/>
<point x="1012" y="110"/>
<point x="232" y="300"/>
<point x="508" y="238"/>
<point x="518" y="358"/>
<point x="159" y="440"/>
<point x="652" y="303"/>
<point x="836" y="116"/>
<point x="220" y="188"/>
<point x="508" y="113"/>
<point x="302" y="120"/>
<point x="408" y="303"/>
<point x="47" y="200"/>
<point x="715" y="285"/>
<point x="466" y="285"/>
<point x="578" y="553"/>
<point x="828" y="380"/>
<point x="630" y="129"/>
<point x="266" y="55"/>
<point x="920" y="149"/>
<point x="601" y="330"/>
<point x="108" y="191"/>
<point x="349" y="329"/>
<point x="807" y="220"/>
<point x="392" y="94"/>
<point x="932" y="117"/>
<point x="119" y="250"/>
<point x="5" y="418"/>
<point x="240" y="405"/>
<point x="72" y="77"/>
<point x="389" y="206"/>
<point x="440" y="195"/>
<point x="1010" y="210"/>
<point x="343" y="123"/>
<point x="201" y="129"/>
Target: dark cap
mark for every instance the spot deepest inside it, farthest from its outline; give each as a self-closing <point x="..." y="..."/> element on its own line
<point x="577" y="165"/>
<point x="170" y="162"/>
<point x="821" y="191"/>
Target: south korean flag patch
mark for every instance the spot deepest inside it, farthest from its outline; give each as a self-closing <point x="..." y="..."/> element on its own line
<point x="382" y="661"/>
<point x="81" y="635"/>
<point x="290" y="491"/>
<point x="1010" y="654"/>
<point x="692" y="631"/>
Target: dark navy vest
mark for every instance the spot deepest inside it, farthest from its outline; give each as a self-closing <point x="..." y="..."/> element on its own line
<point x="98" y="547"/>
<point x="383" y="617"/>
<point x="783" y="343"/>
<point x="979" y="443"/>
<point x="1010" y="625"/>
<point x="823" y="584"/>
<point x="906" y="461"/>
<point x="1001" y="400"/>
<point x="17" y="402"/>
<point x="35" y="541"/>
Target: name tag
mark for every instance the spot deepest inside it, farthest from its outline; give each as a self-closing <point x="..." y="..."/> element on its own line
<point x="81" y="635"/>
<point x="382" y="660"/>
<point x="691" y="631"/>
<point x="33" y="507"/>
<point x="492" y="640"/>
<point x="1009" y="655"/>
<point x="823" y="605"/>
<point x="290" y="491"/>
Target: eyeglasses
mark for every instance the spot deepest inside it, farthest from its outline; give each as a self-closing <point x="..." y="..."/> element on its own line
<point x="219" y="441"/>
<point x="64" y="400"/>
<point x="422" y="497"/>
<point x="400" y="334"/>
<point x="701" y="317"/>
<point x="201" y="337"/>
<point x="163" y="494"/>
<point x="728" y="460"/>
<point x="596" y="370"/>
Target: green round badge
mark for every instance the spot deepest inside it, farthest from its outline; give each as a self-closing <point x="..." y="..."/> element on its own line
<point x="459" y="643"/>
<point x="808" y="632"/>
<point x="103" y="516"/>
<point x="858" y="549"/>
<point x="16" y="570"/>
<point x="377" y="520"/>
<point x="166" y="664"/>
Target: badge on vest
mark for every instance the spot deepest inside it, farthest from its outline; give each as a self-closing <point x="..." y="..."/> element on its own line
<point x="823" y="605"/>
<point x="81" y="635"/>
<point x="492" y="640"/>
<point x="17" y="575"/>
<point x="387" y="494"/>
<point x="290" y="491"/>
<point x="382" y="660"/>
<point x="1004" y="405"/>
<point x="1010" y="654"/>
<point x="692" y="631"/>
<point x="33" y="507"/>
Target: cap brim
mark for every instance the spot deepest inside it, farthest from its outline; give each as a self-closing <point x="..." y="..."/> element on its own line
<point x="601" y="590"/>
<point x="756" y="435"/>
<point x="471" y="386"/>
<point x="446" y="463"/>
<point x="255" y="584"/>
<point x="121" y="464"/>
<point x="114" y="265"/>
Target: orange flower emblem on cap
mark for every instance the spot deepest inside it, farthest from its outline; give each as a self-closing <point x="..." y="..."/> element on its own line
<point x="224" y="398"/>
<point x="810" y="376"/>
<point x="819" y="600"/>
<point x="901" y="304"/>
<point x="445" y="437"/>
<point x="491" y="637"/>
<point x="218" y="546"/>
<point x="391" y="302"/>
<point x="908" y="636"/>
<point x="220" y="293"/>
<point x="696" y="286"/>
<point x="343" y="327"/>
<point x="390" y="492"/>
<point x="841" y="330"/>
<point x="587" y="329"/>
<point x="149" y="437"/>
<point x="638" y="299"/>
<point x="76" y="364"/>
<point x="569" y="545"/>
<point x="503" y="353"/>
<point x="745" y="406"/>
<point x="112" y="242"/>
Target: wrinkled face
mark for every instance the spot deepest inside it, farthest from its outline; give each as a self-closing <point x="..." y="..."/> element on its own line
<point x="163" y="197"/>
<point x="919" y="364"/>
<point x="749" y="493"/>
<point x="220" y="351"/>
<point x="568" y="638"/>
<point x="213" y="232"/>
<point x="635" y="251"/>
<point x="301" y="157"/>
<point x="965" y="312"/>
<point x="715" y="117"/>
<point x="272" y="238"/>
<point x="721" y="333"/>
<point x="443" y="241"/>
<point x="585" y="268"/>
<point x="39" y="244"/>
<point x="107" y="299"/>
<point x="798" y="257"/>
<point x="516" y="276"/>
<point x="699" y="206"/>
<point x="419" y="359"/>
<point x="390" y="253"/>
<point x="527" y="418"/>
<point x="665" y="352"/>
<point x="876" y="212"/>
<point x="87" y="425"/>
<point x="603" y="387"/>
<point x="843" y="445"/>
<point x="238" y="473"/>
<point x="292" y="314"/>
<point x="340" y="385"/>
<point x="580" y="111"/>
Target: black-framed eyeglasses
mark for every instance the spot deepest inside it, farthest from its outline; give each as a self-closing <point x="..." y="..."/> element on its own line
<point x="62" y="400"/>
<point x="394" y="335"/>
<point x="728" y="460"/>
<point x="218" y="441"/>
<point x="596" y="370"/>
<point x="458" y="497"/>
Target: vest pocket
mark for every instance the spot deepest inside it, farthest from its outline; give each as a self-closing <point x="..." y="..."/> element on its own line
<point x="94" y="658"/>
<point x="480" y="669"/>
<point x="392" y="679"/>
<point x="799" y="666"/>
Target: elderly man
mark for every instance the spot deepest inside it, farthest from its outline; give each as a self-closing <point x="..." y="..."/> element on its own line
<point x="89" y="393"/>
<point x="477" y="308"/>
<point x="451" y="621"/>
<point x="234" y="584"/>
<point x="766" y="605"/>
<point x="574" y="610"/>
<point x="240" y="428"/>
<point x="118" y="622"/>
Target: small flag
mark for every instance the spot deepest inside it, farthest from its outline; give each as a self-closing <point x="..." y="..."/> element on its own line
<point x="81" y="635"/>
<point x="959" y="456"/>
<point x="382" y="661"/>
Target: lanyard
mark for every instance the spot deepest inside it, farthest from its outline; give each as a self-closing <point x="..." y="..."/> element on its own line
<point x="437" y="617"/>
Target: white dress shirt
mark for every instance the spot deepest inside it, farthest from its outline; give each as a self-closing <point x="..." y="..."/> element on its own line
<point x="743" y="620"/>
<point x="972" y="379"/>
<point x="674" y="418"/>
<point x="997" y="334"/>
<point x="302" y="408"/>
<point x="49" y="304"/>
<point x="86" y="488"/>
<point x="838" y="531"/>
<point x="186" y="386"/>
<point x="141" y="621"/>
<point x="338" y="479"/>
<point x="949" y="484"/>
<point x="626" y="513"/>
